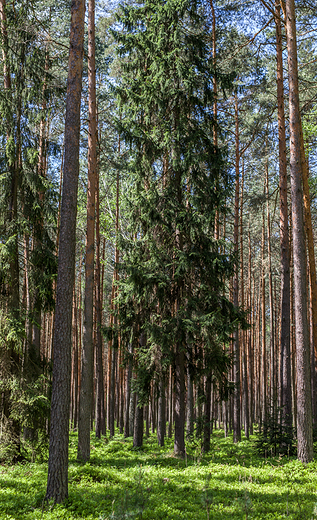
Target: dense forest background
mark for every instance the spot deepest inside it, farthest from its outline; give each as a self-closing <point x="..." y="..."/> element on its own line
<point x="158" y="207"/>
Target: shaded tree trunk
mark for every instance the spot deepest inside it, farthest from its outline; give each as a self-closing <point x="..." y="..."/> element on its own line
<point x="128" y="395"/>
<point x="207" y="429"/>
<point x="161" y="420"/>
<point x="285" y="309"/>
<point x="179" y="382"/>
<point x="236" y="346"/>
<point x="138" y="426"/>
<point x="57" y="483"/>
<point x="263" y="328"/>
<point x="190" y="407"/>
<point x="87" y="368"/>
<point x="100" y="391"/>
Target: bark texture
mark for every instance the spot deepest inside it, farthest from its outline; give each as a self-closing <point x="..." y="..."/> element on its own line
<point x="57" y="483"/>
<point x="179" y="416"/>
<point x="86" y="388"/>
<point x="236" y="346"/>
<point x="304" y="406"/>
<point x="138" y="427"/>
<point x="285" y="353"/>
<point x="161" y="420"/>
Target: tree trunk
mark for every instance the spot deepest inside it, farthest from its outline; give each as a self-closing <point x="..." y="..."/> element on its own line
<point x="263" y="323"/>
<point x="127" y="395"/>
<point x="87" y="369"/>
<point x="236" y="346"/>
<point x="207" y="429"/>
<point x="100" y="391"/>
<point x="271" y="301"/>
<point x="161" y="420"/>
<point x="132" y="413"/>
<point x="304" y="406"/>
<point x="310" y="240"/>
<point x="57" y="483"/>
<point x="179" y="439"/>
<point x="285" y="355"/>
<point x="190" y="407"/>
<point x="138" y="427"/>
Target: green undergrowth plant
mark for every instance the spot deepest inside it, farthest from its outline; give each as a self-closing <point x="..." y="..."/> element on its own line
<point x="232" y="482"/>
<point x="275" y="438"/>
<point x="133" y="501"/>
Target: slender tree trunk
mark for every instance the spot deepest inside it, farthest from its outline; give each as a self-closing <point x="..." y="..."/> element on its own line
<point x="236" y="346"/>
<point x="100" y="391"/>
<point x="128" y="394"/>
<point x="57" y="483"/>
<point x="271" y="300"/>
<point x="179" y="439"/>
<point x="243" y="333"/>
<point x="304" y="406"/>
<point x="285" y="355"/>
<point x="87" y="368"/>
<point x="112" y="387"/>
<point x="310" y="240"/>
<point x="38" y="232"/>
<point x="190" y="407"/>
<point x="171" y="405"/>
<point x="250" y="336"/>
<point x="263" y="323"/>
<point x="132" y="413"/>
<point x="75" y="364"/>
<point x="115" y="343"/>
<point x="206" y="440"/>
<point x="161" y="420"/>
<point x="138" y="427"/>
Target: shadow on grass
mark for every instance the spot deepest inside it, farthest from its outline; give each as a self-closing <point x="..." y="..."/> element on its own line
<point x="231" y="481"/>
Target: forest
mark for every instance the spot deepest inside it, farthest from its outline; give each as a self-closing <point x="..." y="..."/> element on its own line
<point x="158" y="286"/>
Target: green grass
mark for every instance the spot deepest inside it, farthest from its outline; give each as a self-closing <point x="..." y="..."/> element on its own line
<point x="230" y="483"/>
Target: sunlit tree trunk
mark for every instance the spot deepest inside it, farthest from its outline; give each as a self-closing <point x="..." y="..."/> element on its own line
<point x="304" y="406"/>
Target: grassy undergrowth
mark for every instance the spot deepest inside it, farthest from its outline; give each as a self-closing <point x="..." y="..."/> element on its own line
<point x="230" y="483"/>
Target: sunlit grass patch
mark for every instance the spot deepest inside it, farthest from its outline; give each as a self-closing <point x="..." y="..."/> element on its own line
<point x="231" y="482"/>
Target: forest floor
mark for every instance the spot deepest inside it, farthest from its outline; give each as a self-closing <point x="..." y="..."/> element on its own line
<point x="231" y="482"/>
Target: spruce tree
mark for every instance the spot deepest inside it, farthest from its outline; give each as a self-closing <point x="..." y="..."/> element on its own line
<point x="27" y="197"/>
<point x="173" y="286"/>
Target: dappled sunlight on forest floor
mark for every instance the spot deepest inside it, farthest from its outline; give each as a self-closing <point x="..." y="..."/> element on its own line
<point x="232" y="481"/>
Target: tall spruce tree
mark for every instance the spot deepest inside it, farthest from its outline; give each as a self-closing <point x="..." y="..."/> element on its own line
<point x="172" y="291"/>
<point x="26" y="217"/>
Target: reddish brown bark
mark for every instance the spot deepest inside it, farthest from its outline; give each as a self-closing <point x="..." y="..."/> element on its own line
<point x="285" y="356"/>
<point x="86" y="388"/>
<point x="304" y="407"/>
<point x="236" y="346"/>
